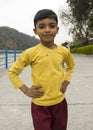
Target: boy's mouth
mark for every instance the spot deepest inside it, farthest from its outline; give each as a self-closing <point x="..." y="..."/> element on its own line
<point x="47" y="36"/>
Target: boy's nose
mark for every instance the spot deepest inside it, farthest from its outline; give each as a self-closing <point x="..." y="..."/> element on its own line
<point x="47" y="29"/>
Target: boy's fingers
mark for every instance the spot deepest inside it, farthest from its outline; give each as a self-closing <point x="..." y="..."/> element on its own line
<point x="37" y="94"/>
<point x="38" y="87"/>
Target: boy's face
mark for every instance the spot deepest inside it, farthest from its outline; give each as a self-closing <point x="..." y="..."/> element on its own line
<point x="46" y="29"/>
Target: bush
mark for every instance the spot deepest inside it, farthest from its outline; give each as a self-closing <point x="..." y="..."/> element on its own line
<point x="83" y="50"/>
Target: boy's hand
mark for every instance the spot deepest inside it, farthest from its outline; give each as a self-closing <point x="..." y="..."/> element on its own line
<point x="65" y="83"/>
<point x="33" y="92"/>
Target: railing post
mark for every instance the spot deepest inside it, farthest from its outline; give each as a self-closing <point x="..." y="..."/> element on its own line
<point x="6" y="58"/>
<point x="14" y="55"/>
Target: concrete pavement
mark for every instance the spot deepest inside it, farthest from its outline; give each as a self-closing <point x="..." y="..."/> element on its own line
<point x="15" y="106"/>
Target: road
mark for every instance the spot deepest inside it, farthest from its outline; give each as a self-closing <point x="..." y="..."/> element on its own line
<point x="15" y="106"/>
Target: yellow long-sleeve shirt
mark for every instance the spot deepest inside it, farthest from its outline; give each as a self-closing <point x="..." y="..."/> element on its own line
<point x="46" y="69"/>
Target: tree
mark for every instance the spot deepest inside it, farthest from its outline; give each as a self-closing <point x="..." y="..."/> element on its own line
<point x="90" y="22"/>
<point x="78" y="16"/>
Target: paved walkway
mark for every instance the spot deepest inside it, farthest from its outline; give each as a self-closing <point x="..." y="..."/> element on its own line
<point x="15" y="106"/>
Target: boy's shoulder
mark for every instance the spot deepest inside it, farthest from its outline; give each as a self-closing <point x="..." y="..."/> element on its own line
<point x="33" y="48"/>
<point x="62" y="48"/>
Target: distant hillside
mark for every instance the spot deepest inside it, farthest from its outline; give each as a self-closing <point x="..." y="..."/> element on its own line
<point x="12" y="38"/>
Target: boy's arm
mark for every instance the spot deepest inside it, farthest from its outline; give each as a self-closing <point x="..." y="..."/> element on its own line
<point x="68" y="72"/>
<point x="69" y="67"/>
<point x="17" y="68"/>
<point x="33" y="92"/>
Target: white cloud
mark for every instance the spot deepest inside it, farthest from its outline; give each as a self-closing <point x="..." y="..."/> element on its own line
<point x="19" y="14"/>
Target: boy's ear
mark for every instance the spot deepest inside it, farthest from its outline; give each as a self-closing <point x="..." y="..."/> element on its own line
<point x="34" y="30"/>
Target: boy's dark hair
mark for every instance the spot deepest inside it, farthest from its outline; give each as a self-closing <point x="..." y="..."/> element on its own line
<point x="45" y="13"/>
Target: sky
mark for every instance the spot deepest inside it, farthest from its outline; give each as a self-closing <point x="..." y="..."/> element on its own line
<point x="19" y="14"/>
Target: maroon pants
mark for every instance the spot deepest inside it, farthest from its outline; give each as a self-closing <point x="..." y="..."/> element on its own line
<point x="50" y="117"/>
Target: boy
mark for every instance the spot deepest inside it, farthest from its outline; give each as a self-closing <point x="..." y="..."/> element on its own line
<point x="49" y="106"/>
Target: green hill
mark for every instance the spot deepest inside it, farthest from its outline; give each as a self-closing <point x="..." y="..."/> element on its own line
<point x="11" y="38"/>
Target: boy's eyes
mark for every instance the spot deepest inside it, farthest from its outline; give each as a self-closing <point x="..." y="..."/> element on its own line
<point x="42" y="26"/>
<point x="52" y="25"/>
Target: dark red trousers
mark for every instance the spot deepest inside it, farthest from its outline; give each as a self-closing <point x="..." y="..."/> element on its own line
<point x="50" y="117"/>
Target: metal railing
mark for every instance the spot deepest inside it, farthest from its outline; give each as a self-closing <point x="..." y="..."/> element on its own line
<point x="8" y="56"/>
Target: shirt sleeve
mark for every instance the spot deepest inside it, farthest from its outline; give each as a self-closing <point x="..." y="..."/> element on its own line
<point x="69" y="66"/>
<point x="17" y="68"/>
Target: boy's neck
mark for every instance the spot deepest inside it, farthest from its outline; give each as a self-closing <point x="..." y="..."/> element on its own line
<point x="50" y="45"/>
